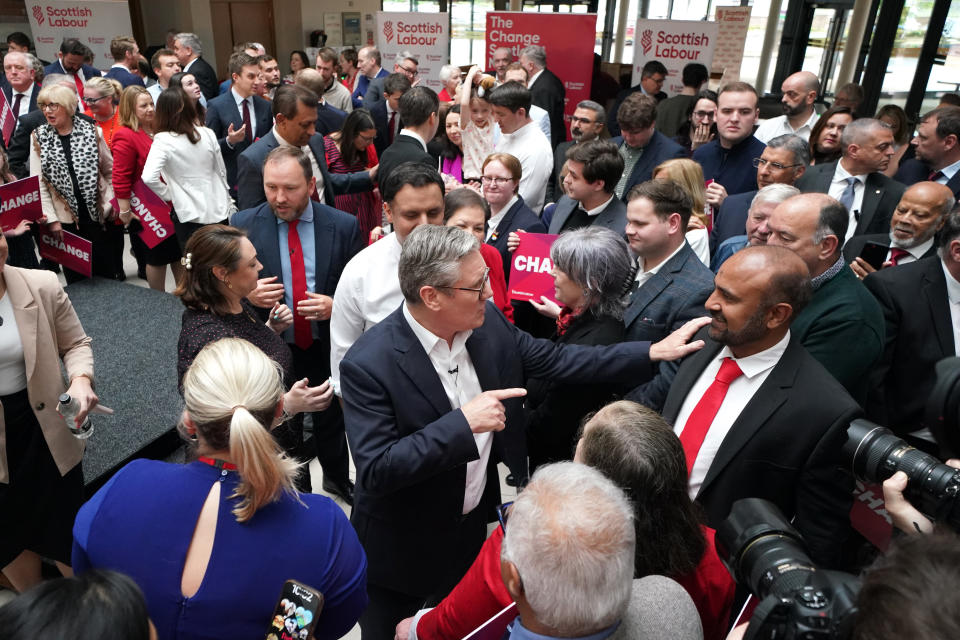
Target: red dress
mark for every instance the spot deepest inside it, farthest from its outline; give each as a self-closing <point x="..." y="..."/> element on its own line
<point x="366" y="206"/>
<point x="493" y="259"/>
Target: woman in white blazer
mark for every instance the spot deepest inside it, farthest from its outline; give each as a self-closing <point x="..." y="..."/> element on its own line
<point x="185" y="167"/>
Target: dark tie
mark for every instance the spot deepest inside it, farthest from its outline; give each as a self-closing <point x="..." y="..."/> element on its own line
<point x="897" y="254"/>
<point x="934" y="176"/>
<point x="246" y="121"/>
<point x="695" y="431"/>
<point x="302" y="335"/>
<point x="846" y="198"/>
<point x="390" y="126"/>
<point x="16" y="105"/>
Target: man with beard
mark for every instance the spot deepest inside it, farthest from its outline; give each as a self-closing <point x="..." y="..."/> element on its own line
<point x="915" y="222"/>
<point x="842" y="327"/>
<point x="937" y="146"/>
<point x="586" y="124"/>
<point x="800" y="91"/>
<point x="743" y="407"/>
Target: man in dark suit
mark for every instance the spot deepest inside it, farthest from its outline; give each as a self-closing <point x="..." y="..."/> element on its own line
<point x="916" y="300"/>
<point x="671" y="283"/>
<point x="126" y="55"/>
<point x="70" y="63"/>
<point x="329" y="118"/>
<point x="587" y="123"/>
<point x="19" y="86"/>
<point x="546" y="89"/>
<point x="368" y="65"/>
<point x="856" y="179"/>
<point x="937" y="146"/>
<point x="418" y="110"/>
<point x="652" y="77"/>
<point x="757" y="416"/>
<point x="386" y="112"/>
<point x="641" y="145"/>
<point x="238" y="117"/>
<point x="293" y="113"/>
<point x="303" y="246"/>
<point x="842" y="327"/>
<point x="189" y="52"/>
<point x="916" y="220"/>
<point x="593" y="170"/>
<point x="405" y="64"/>
<point x="427" y="422"/>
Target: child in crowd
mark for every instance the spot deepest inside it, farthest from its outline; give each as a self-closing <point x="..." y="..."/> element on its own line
<point x="476" y="123"/>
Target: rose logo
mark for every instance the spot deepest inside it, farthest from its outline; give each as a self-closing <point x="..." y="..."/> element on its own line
<point x="38" y="14"/>
<point x="646" y="41"/>
<point x="388" y="30"/>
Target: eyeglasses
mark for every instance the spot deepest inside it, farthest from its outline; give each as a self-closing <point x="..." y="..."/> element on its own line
<point x="95" y="100"/>
<point x="412" y="72"/>
<point x="581" y="120"/>
<point x="45" y="106"/>
<point x="479" y="291"/>
<point x="700" y="115"/>
<point x="503" y="512"/>
<point x="366" y="139"/>
<point x="492" y="180"/>
<point x="760" y="162"/>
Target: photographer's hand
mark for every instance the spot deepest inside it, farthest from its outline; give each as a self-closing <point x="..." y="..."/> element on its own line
<point x="904" y="515"/>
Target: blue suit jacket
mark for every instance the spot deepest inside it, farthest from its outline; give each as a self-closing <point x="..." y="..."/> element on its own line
<point x="518" y="217"/>
<point x="913" y="171"/>
<point x="124" y="77"/>
<point x="613" y="217"/>
<point x="221" y="112"/>
<point x="56" y="67"/>
<point x="411" y="449"/>
<point x="731" y="219"/>
<point x="659" y="149"/>
<point x="362" y="85"/>
<point x="250" y="173"/>
<point x="379" y="114"/>
<point x="329" y="119"/>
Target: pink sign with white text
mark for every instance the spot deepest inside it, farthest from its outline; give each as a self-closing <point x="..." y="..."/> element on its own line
<point x="153" y="212"/>
<point x="19" y="201"/>
<point x="72" y="251"/>
<point x="531" y="267"/>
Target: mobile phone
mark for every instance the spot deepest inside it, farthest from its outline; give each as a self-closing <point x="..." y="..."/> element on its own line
<point x="874" y="253"/>
<point x="296" y="612"/>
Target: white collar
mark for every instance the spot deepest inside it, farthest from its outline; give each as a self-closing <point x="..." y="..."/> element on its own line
<point x="415" y="136"/>
<point x="841" y="174"/>
<point x="953" y="287"/>
<point x="375" y="74"/>
<point x="812" y="120"/>
<point x="522" y="131"/>
<point x="429" y="340"/>
<point x="756" y="364"/>
<point x="533" y="78"/>
<point x="951" y="170"/>
<point x="656" y="269"/>
<point x="281" y="139"/>
<point x="917" y="251"/>
<point x="596" y="210"/>
<point x="237" y="98"/>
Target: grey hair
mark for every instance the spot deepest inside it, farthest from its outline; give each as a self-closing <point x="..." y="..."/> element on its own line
<point x="535" y="54"/>
<point x="596" y="107"/>
<point x="833" y="220"/>
<point x="406" y="55"/>
<point x="56" y="78"/>
<point x="774" y="193"/>
<point x="447" y="71"/>
<point x="598" y="261"/>
<point x="571" y="538"/>
<point x="431" y="256"/>
<point x="796" y="145"/>
<point x="192" y="41"/>
<point x="859" y="130"/>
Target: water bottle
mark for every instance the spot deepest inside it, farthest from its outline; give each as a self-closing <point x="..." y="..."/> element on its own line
<point x="68" y="409"/>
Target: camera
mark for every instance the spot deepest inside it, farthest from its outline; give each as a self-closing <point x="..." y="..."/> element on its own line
<point x="877" y="453"/>
<point x="768" y="556"/>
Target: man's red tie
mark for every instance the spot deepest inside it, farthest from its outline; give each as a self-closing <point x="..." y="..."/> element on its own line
<point x="79" y="83"/>
<point x="897" y="254"/>
<point x="695" y="431"/>
<point x="390" y="127"/>
<point x="246" y="122"/>
<point x="302" y="334"/>
<point x="934" y="176"/>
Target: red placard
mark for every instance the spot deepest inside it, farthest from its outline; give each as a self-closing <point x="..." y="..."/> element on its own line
<point x="568" y="39"/>
<point x="73" y="252"/>
<point x="869" y="517"/>
<point x="20" y="200"/>
<point x="153" y="212"/>
<point x="494" y="628"/>
<point x="531" y="266"/>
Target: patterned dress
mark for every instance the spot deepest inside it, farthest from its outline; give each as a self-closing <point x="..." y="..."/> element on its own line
<point x="366" y="206"/>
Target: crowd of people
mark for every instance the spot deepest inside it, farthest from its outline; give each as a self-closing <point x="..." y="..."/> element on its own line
<point x="729" y="294"/>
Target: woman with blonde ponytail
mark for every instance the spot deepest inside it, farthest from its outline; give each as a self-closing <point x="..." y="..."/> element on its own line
<point x="211" y="543"/>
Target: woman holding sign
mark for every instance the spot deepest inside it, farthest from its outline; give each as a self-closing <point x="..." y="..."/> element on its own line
<point x="131" y="144"/>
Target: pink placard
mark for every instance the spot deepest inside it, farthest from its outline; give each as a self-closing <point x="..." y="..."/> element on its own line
<point x="531" y="266"/>
<point x="153" y="212"/>
<point x="73" y="252"/>
<point x="20" y="200"/>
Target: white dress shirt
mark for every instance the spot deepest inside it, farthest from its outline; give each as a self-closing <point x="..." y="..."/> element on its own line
<point x="24" y="101"/>
<point x="948" y="172"/>
<point x="250" y="108"/>
<point x="533" y="78"/>
<point x="779" y="126"/>
<point x="415" y="136"/>
<point x="643" y="276"/>
<point x="528" y="145"/>
<point x="461" y="387"/>
<point x="913" y="253"/>
<point x="494" y="221"/>
<point x="837" y="187"/>
<point x="314" y="165"/>
<point x="953" y="295"/>
<point x="755" y="369"/>
<point x="368" y="291"/>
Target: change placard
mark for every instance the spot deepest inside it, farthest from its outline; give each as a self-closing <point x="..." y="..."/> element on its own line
<point x="531" y="268"/>
<point x="154" y="214"/>
<point x="19" y="201"/>
<point x="70" y="250"/>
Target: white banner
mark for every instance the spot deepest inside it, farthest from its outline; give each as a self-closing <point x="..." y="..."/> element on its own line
<point x="734" y="23"/>
<point x="95" y="23"/>
<point x="675" y="43"/>
<point x="425" y="35"/>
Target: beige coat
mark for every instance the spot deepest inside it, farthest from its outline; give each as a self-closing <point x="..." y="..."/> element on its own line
<point x="50" y="331"/>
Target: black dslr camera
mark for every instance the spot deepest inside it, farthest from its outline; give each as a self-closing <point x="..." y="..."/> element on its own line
<point x="767" y="555"/>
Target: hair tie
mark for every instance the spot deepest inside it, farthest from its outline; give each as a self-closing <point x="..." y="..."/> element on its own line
<point x="185" y="261"/>
<point x="237" y="406"/>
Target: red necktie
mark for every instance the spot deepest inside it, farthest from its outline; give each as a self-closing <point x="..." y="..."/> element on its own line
<point x="246" y="122"/>
<point x="896" y="254"/>
<point x="695" y="431"/>
<point x="392" y="123"/>
<point x="302" y="335"/>
<point x="934" y="176"/>
<point x="79" y="82"/>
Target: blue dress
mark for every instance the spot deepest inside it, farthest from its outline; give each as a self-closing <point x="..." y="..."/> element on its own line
<point x="142" y="521"/>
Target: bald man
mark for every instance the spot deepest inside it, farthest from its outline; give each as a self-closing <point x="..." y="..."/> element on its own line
<point x="842" y="327"/>
<point x="799" y="91"/>
<point x="766" y="381"/>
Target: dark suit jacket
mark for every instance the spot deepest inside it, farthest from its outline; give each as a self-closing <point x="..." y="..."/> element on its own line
<point x="518" y="217"/>
<point x="731" y="219"/>
<point x="549" y="94"/>
<point x="404" y="149"/>
<point x="125" y="77"/>
<point x="8" y="94"/>
<point x="363" y="84"/>
<point x="880" y="197"/>
<point x="19" y="152"/>
<point x="336" y="240"/>
<point x="559" y="157"/>
<point x="613" y="217"/>
<point x="56" y="67"/>
<point x="329" y="119"/>
<point x="659" y="149"/>
<point x="374" y="92"/>
<point x="855" y="245"/>
<point x="783" y="447"/>
<point x="913" y="171"/>
<point x="411" y="450"/>
<point x="206" y="78"/>
<point x="379" y="114"/>
<point x="221" y="112"/>
<point x="612" y="125"/>
<point x="919" y="333"/>
<point x="250" y="173"/>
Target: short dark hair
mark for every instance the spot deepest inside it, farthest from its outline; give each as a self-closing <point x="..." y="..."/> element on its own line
<point x="289" y="96"/>
<point x="832" y="221"/>
<point x="160" y="53"/>
<point x="739" y="87"/>
<point x="417" y="105"/>
<point x="396" y="82"/>
<point x="652" y="67"/>
<point x="72" y="46"/>
<point x="601" y="161"/>
<point x="950" y="230"/>
<point x="20" y="39"/>
<point x="293" y="153"/>
<point x="414" y="174"/>
<point x="460" y="198"/>
<point x="328" y="55"/>
<point x="239" y="60"/>
<point x="120" y="46"/>
<point x="948" y="121"/>
<point x="350" y="55"/>
<point x="952" y="99"/>
<point x="694" y="75"/>
<point x="511" y="95"/>
<point x="852" y="90"/>
<point x="795" y="145"/>
<point x="667" y="197"/>
<point x="302" y="55"/>
<point x="637" y="111"/>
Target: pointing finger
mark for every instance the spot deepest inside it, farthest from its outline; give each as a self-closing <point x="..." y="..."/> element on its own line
<point x="503" y="394"/>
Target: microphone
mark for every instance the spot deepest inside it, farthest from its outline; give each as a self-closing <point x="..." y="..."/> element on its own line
<point x="456" y="369"/>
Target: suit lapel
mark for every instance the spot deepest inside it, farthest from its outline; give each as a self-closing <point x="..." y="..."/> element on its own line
<point x="824" y="177"/>
<point x="935" y="291"/>
<point x="872" y="193"/>
<point x="687" y="375"/>
<point x="643" y="164"/>
<point x="608" y="217"/>
<point x="27" y="314"/>
<point x="269" y="251"/>
<point x="482" y="357"/>
<point x="564" y="208"/>
<point x="415" y="363"/>
<point x="953" y="183"/>
<point x="645" y="295"/>
<point x="323" y="233"/>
